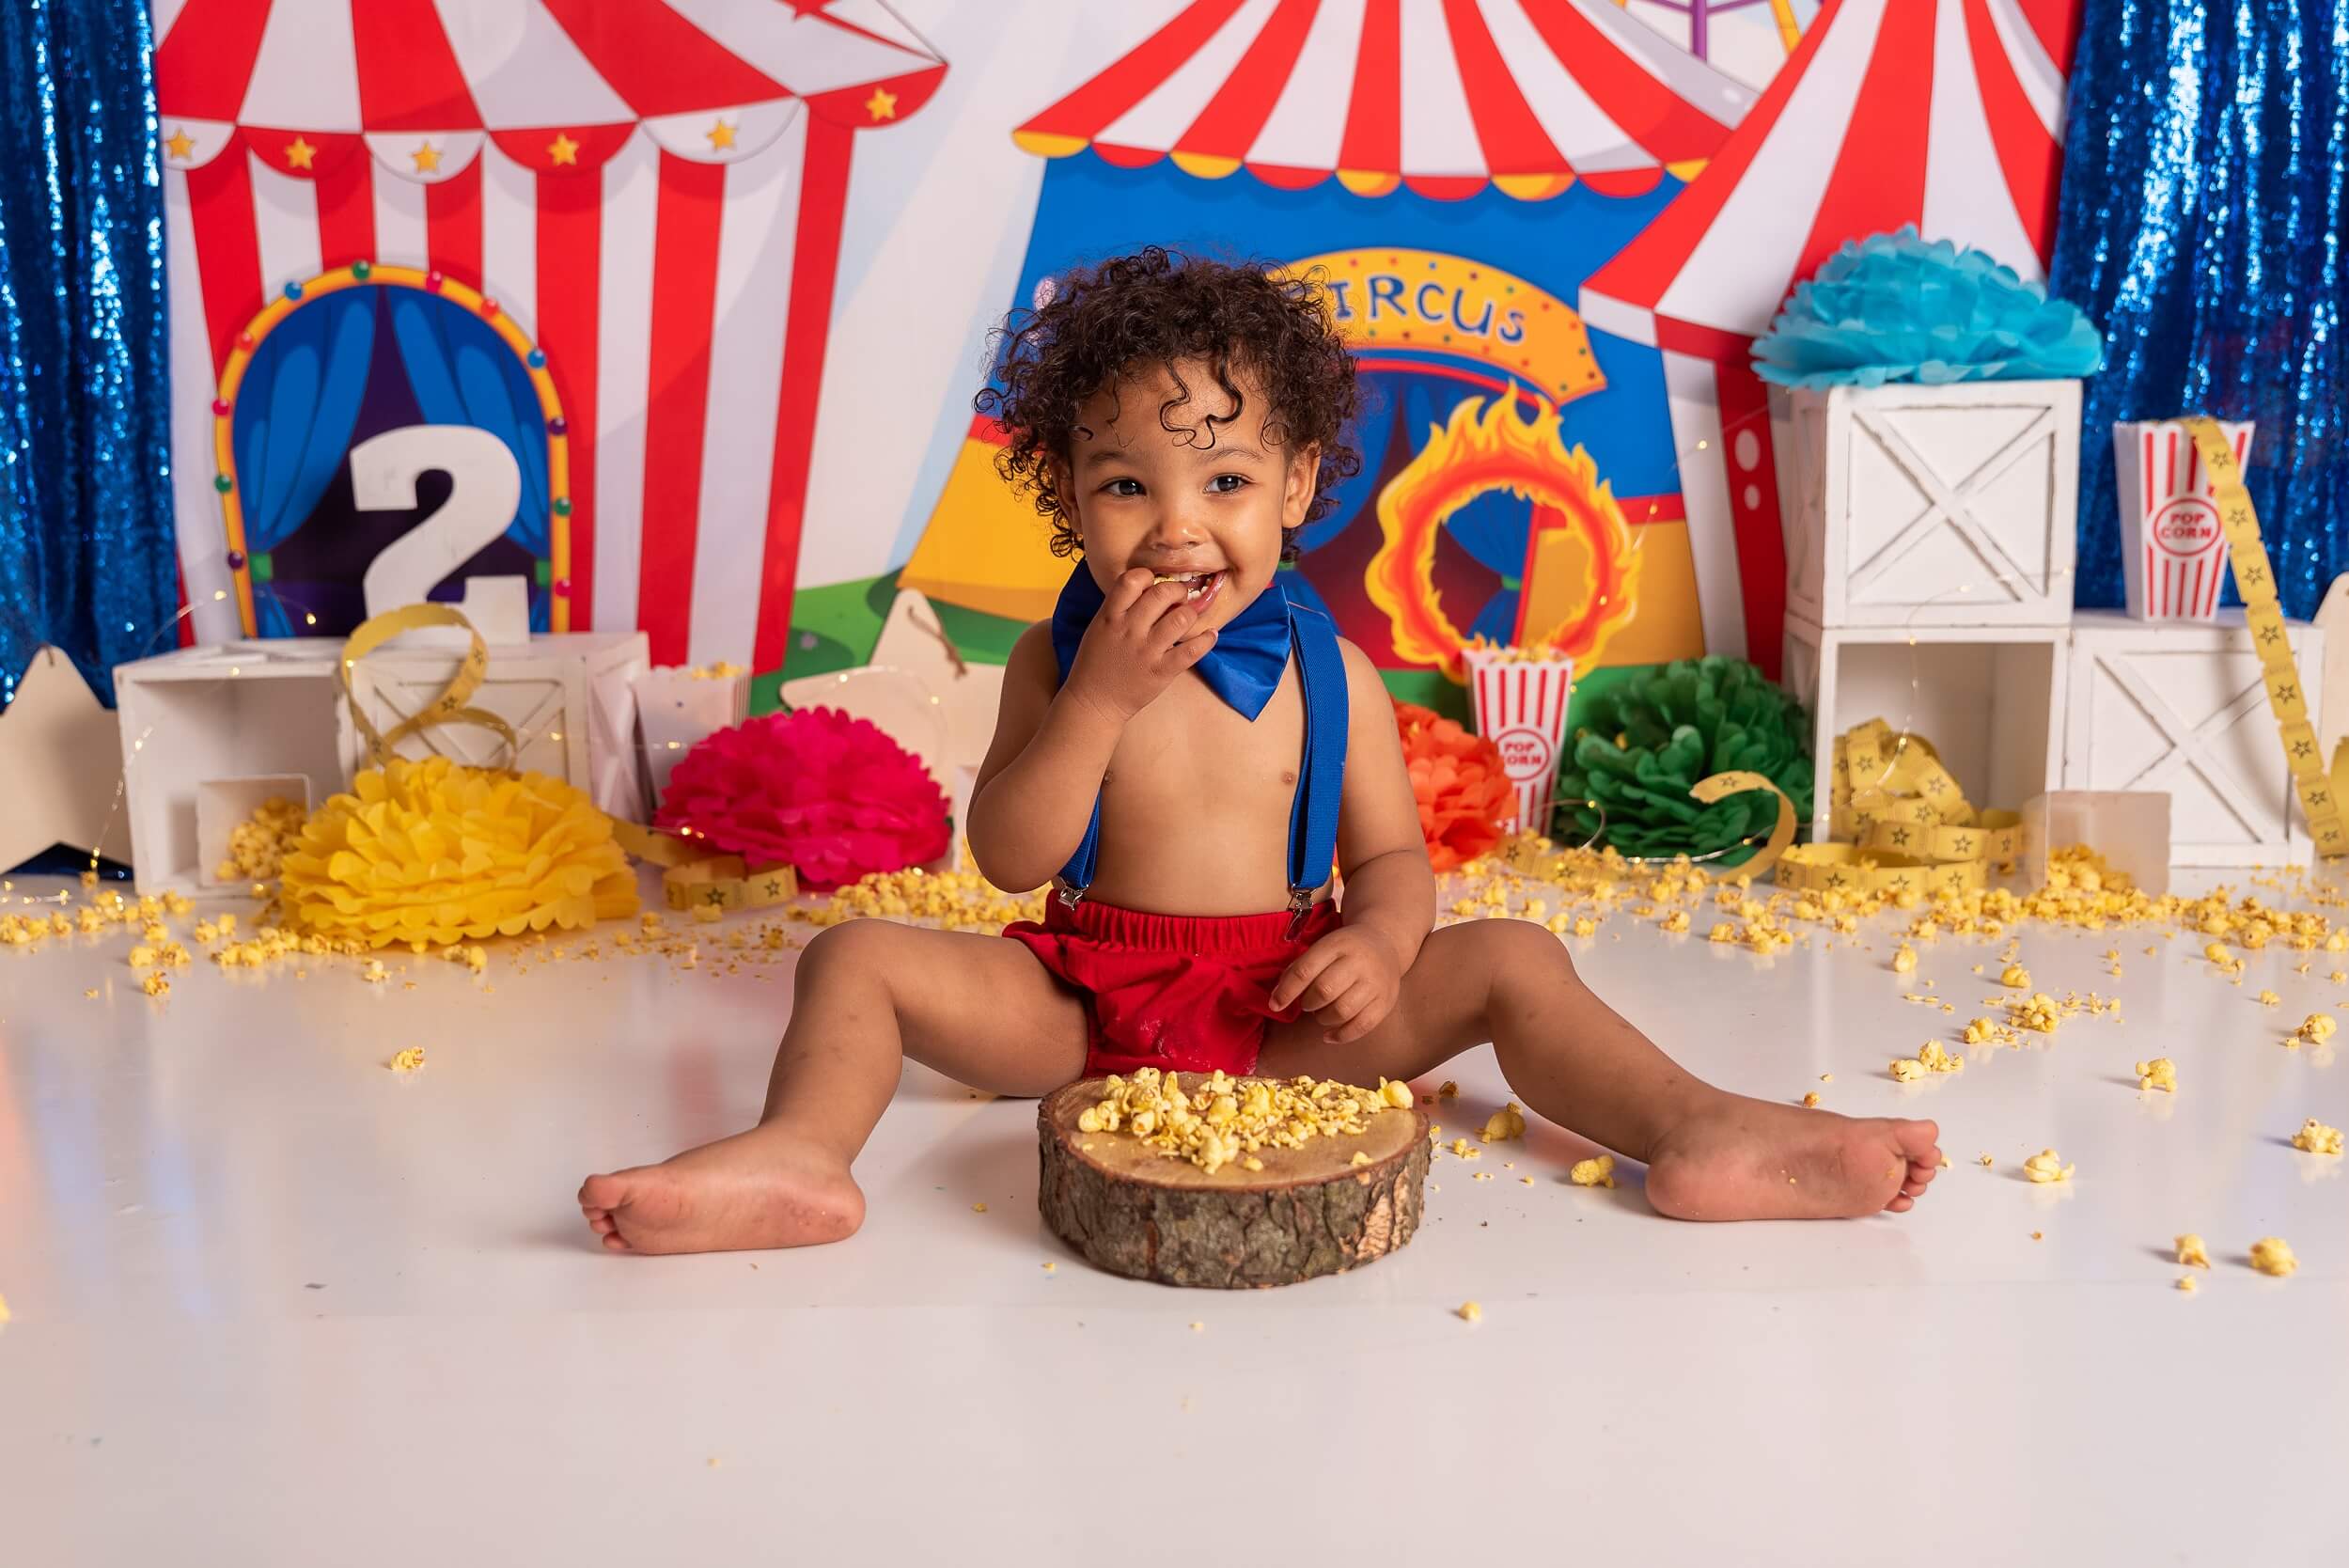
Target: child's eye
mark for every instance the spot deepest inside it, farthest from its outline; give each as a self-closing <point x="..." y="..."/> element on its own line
<point x="1227" y="484"/>
<point x="1123" y="487"/>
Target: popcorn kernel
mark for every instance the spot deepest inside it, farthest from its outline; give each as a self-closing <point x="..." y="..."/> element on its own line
<point x="1504" y="1123"/>
<point x="2317" y="1139"/>
<point x="2272" y="1255"/>
<point x="1595" y="1172"/>
<point x="2047" y="1166"/>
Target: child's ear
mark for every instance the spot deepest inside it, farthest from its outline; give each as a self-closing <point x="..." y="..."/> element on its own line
<point x="1063" y="484"/>
<point x="1305" y="469"/>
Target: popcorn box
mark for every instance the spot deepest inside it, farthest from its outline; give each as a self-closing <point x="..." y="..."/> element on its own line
<point x="1930" y="505"/>
<point x="2173" y="554"/>
<point x="678" y="708"/>
<point x="2128" y="828"/>
<point x="1519" y="704"/>
<point x="2182" y="707"/>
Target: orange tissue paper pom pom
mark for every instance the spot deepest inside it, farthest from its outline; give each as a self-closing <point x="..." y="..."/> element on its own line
<point x="1462" y="790"/>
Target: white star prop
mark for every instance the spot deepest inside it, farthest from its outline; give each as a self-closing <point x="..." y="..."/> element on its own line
<point x="913" y="640"/>
<point x="60" y="766"/>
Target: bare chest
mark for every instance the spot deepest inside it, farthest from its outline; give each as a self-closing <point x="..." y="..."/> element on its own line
<point x="1195" y="803"/>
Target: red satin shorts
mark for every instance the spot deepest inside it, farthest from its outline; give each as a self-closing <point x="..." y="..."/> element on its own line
<point x="1180" y="993"/>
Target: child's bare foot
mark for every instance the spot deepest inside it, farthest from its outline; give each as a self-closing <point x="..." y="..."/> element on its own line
<point x="758" y="1189"/>
<point x="1736" y="1158"/>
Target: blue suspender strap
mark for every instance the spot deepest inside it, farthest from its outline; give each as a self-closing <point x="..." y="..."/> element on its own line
<point x="1077" y="874"/>
<point x="1313" y="816"/>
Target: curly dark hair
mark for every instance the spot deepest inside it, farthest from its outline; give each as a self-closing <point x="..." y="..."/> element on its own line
<point x="1102" y="324"/>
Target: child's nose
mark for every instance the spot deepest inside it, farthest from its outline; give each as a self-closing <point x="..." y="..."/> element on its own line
<point x="1178" y="522"/>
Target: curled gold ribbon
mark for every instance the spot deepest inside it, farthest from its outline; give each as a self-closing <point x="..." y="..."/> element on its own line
<point x="448" y="707"/>
<point x="1900" y="824"/>
<point x="1718" y="786"/>
<point x="2319" y="790"/>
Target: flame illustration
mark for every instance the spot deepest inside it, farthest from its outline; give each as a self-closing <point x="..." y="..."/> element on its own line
<point x="1485" y="447"/>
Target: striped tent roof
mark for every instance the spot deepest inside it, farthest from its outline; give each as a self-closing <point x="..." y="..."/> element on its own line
<point x="560" y="83"/>
<point x="1441" y="96"/>
<point x="1945" y="114"/>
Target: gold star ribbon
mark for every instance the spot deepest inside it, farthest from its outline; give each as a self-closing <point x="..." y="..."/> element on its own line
<point x="694" y="877"/>
<point x="1900" y="824"/>
<point x="2255" y="579"/>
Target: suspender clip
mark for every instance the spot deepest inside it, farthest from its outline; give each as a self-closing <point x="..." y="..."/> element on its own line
<point x="1300" y="907"/>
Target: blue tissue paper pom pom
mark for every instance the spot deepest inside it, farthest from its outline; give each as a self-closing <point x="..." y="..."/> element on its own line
<point x="1895" y="307"/>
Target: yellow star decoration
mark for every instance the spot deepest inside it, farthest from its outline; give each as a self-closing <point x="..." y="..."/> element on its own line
<point x="881" y="104"/>
<point x="562" y="149"/>
<point x="177" y="146"/>
<point x="721" y="135"/>
<point x="299" y="153"/>
<point x="427" y="158"/>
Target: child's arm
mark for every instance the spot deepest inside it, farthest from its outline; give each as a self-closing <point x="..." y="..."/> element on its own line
<point x="1350" y="979"/>
<point x="1053" y="744"/>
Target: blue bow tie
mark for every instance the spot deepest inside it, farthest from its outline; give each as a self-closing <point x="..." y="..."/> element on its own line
<point x="1251" y="649"/>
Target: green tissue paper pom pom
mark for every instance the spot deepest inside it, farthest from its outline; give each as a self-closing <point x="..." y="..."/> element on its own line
<point x="1682" y="722"/>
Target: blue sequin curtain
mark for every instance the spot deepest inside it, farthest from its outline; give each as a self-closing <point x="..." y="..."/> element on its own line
<point x="85" y="532"/>
<point x="2201" y="228"/>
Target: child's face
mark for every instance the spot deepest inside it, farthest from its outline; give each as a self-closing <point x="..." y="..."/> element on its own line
<point x="1166" y="500"/>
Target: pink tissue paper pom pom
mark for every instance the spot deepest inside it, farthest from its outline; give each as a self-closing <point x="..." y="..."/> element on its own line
<point x="829" y="795"/>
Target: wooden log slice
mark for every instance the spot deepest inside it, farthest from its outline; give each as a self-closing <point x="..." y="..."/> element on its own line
<point x="1135" y="1211"/>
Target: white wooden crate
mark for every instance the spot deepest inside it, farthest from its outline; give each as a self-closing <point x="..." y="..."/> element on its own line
<point x="1917" y="504"/>
<point x="1991" y="699"/>
<point x="274" y="707"/>
<point x="211" y="715"/>
<point x="570" y="698"/>
<point x="2182" y="706"/>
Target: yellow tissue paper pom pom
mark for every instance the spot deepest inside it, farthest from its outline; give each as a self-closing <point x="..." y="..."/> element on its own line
<point x="431" y="853"/>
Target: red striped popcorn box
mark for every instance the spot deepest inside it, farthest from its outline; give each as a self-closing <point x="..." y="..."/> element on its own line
<point x="1519" y="704"/>
<point x="2173" y="554"/>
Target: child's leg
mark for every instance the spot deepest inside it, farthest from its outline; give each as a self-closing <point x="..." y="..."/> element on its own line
<point x="1710" y="1154"/>
<point x="979" y="1009"/>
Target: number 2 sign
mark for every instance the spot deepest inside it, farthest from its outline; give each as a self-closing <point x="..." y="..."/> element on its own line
<point x="486" y="487"/>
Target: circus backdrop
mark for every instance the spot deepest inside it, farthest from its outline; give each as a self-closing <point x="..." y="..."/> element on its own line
<point x="719" y="271"/>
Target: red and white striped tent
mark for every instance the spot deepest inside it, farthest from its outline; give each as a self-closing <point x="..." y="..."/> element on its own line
<point x="1945" y="114"/>
<point x="652" y="189"/>
<point x="1526" y="95"/>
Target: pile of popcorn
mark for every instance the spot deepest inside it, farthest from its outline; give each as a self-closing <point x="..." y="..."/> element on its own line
<point x="1227" y="1119"/>
<point x="257" y="846"/>
<point x="957" y="901"/>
